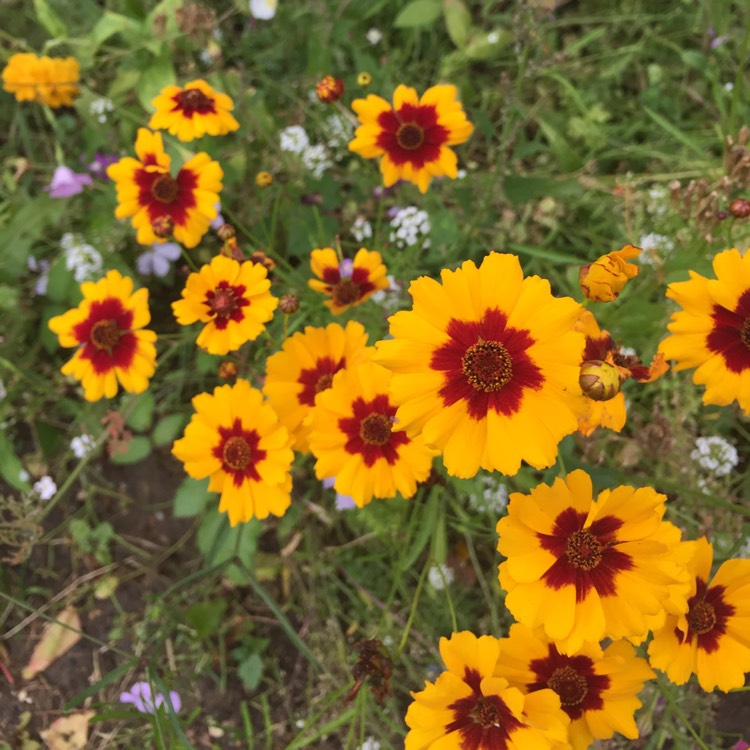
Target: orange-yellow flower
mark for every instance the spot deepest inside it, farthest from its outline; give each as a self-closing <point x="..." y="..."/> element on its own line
<point x="192" y="111"/>
<point x="605" y="278"/>
<point x="329" y="89"/>
<point x="48" y="80"/>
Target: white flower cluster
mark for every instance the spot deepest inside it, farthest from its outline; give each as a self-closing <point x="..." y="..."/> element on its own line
<point x="658" y="200"/>
<point x="370" y="744"/>
<point x="373" y="35"/>
<point x="317" y="160"/>
<point x="440" y="576"/>
<point x="493" y="497"/>
<point x="389" y="298"/>
<point x="81" y="258"/>
<point x="338" y="132"/>
<point x="654" y="246"/>
<point x="409" y="226"/>
<point x="100" y="108"/>
<point x="361" y="229"/>
<point x="82" y="445"/>
<point x="45" y="488"/>
<point x="715" y="454"/>
<point x="294" y="140"/>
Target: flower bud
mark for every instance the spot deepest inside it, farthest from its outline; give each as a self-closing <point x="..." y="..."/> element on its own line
<point x="329" y="89"/>
<point x="227" y="370"/>
<point x="364" y="79"/>
<point x="599" y="380"/>
<point x="740" y="208"/>
<point x="605" y="278"/>
<point x="226" y="232"/>
<point x="260" y="258"/>
<point x="162" y="226"/>
<point x="263" y="179"/>
<point x="289" y="304"/>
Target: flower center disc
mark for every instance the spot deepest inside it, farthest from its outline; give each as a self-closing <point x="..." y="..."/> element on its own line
<point x="375" y="429"/>
<point x="194" y="100"/>
<point x="583" y="550"/>
<point x="745" y="333"/>
<point x="324" y="382"/>
<point x="410" y="136"/>
<point x="223" y="303"/>
<point x="487" y="366"/>
<point x="485" y="714"/>
<point x="346" y="292"/>
<point x="237" y="453"/>
<point x="164" y="189"/>
<point x="569" y="685"/>
<point x="702" y="617"/>
<point x="105" y="334"/>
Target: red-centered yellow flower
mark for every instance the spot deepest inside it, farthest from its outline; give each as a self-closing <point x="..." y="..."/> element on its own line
<point x="351" y="437"/>
<point x="236" y="439"/>
<point x="47" y="80"/>
<point x="598" y="689"/>
<point x="587" y="569"/>
<point x="192" y="111"/>
<point x="605" y="278"/>
<point x="469" y="708"/>
<point x="712" y="331"/>
<point x="486" y="366"/>
<point x="305" y="366"/>
<point x="106" y="328"/>
<point x="412" y="137"/>
<point x="148" y="193"/>
<point x="350" y="282"/>
<point x="231" y="298"/>
<point x="713" y="639"/>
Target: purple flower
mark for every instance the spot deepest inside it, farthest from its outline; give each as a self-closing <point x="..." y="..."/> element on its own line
<point x="741" y="745"/>
<point x="219" y="220"/>
<point x="140" y="697"/>
<point x="343" y="502"/>
<point x="346" y="268"/>
<point x="66" y="182"/>
<point x="42" y="268"/>
<point x="158" y="259"/>
<point x="98" y="167"/>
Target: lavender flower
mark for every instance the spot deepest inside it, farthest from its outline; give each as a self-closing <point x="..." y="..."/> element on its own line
<point x="98" y="167"/>
<point x="343" y="502"/>
<point x="140" y="696"/>
<point x="158" y="260"/>
<point x="66" y="182"/>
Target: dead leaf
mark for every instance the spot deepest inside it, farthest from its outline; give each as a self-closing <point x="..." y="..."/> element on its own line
<point x="68" y="732"/>
<point x="55" y="641"/>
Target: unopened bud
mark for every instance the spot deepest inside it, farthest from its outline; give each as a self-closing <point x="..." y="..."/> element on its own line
<point x="599" y="380"/>
<point x="260" y="258"/>
<point x="162" y="226"/>
<point x="289" y="304"/>
<point x="740" y="208"/>
<point x="227" y="370"/>
<point x="226" y="232"/>
<point x="263" y="179"/>
<point x="329" y="89"/>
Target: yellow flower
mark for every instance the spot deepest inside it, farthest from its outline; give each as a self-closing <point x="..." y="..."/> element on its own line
<point x="231" y="298"/>
<point x="412" y="138"/>
<point x="364" y="79"/>
<point x="351" y="437"/>
<point x="486" y="366"/>
<point x="711" y="640"/>
<point x="712" y="331"/>
<point x="263" y="179"/>
<point x="236" y="439"/>
<point x="605" y="278"/>
<point x="193" y="111"/>
<point x="350" y="282"/>
<point x="106" y="328"/>
<point x="147" y="192"/>
<point x="305" y="366"/>
<point x="598" y="689"/>
<point x="47" y="80"/>
<point x="469" y="708"/>
<point x="587" y="569"/>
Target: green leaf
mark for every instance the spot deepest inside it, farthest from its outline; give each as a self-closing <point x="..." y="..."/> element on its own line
<point x="109" y="25"/>
<point x="168" y="428"/>
<point x="10" y="466"/>
<point x="8" y="298"/>
<point x="53" y="24"/>
<point x="191" y="498"/>
<point x="250" y="671"/>
<point x="519" y="189"/>
<point x="155" y="77"/>
<point x="60" y="281"/>
<point x="138" y="448"/>
<point x="418" y="13"/>
<point x="142" y="415"/>
<point x="675" y="132"/>
<point x="457" y="21"/>
<point x="205" y="617"/>
<point x="568" y="158"/>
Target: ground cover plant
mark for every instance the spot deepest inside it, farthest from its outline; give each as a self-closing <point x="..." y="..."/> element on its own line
<point x="374" y="375"/>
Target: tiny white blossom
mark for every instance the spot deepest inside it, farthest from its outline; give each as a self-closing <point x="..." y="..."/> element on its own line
<point x="370" y="744"/>
<point x="658" y="200"/>
<point x="338" y="132"/>
<point x="715" y="454"/>
<point x="361" y="229"/>
<point x="293" y="139"/>
<point x="373" y="36"/>
<point x="440" y="576"/>
<point x="100" y="108"/>
<point x="628" y="351"/>
<point x="158" y="260"/>
<point x="317" y="160"/>
<point x="493" y="37"/>
<point x="45" y="488"/>
<point x="82" y="445"/>
<point x="82" y="259"/>
<point x="461" y="174"/>
<point x="493" y="498"/>
<point x="410" y="225"/>
<point x="729" y="86"/>
<point x="3" y="391"/>
<point x="389" y="298"/>
<point x="263" y="10"/>
<point x="23" y="475"/>
<point x="654" y="246"/>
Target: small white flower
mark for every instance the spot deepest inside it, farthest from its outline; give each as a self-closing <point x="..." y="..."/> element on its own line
<point x="82" y="445"/>
<point x="338" y="132"/>
<point x="715" y="454"/>
<point x="82" y="259"/>
<point x="293" y="139"/>
<point x="389" y="298"/>
<point x="299" y="723"/>
<point x="3" y="391"/>
<point x="45" y="488"/>
<point x="440" y="576"/>
<point x="158" y="260"/>
<point x="658" y="200"/>
<point x="461" y="174"/>
<point x="493" y="37"/>
<point x="23" y="475"/>
<point x="373" y="36"/>
<point x="317" y="160"/>
<point x="370" y="744"/>
<point x="361" y="229"/>
<point x="654" y="246"/>
<point x="100" y="108"/>
<point x="410" y="225"/>
<point x="628" y="351"/>
<point x="263" y="10"/>
<point x="493" y="498"/>
<point x="729" y="86"/>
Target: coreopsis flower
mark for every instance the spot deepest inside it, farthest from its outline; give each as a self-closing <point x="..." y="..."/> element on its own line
<point x="605" y="278"/>
<point x="192" y="111"/>
<point x="486" y="366"/>
<point x="711" y="638"/>
<point x="352" y="437"/>
<point x="598" y="688"/>
<point x="107" y="328"/>
<point x="364" y="79"/>
<point x="469" y="708"/>
<point x="47" y="80"/>
<point x="712" y="331"/>
<point x="148" y="193"/>
<point x="235" y="438"/>
<point x="329" y="89"/>
<point x="587" y="569"/>
<point x="231" y="298"/>
<point x="263" y="179"/>
<point x="305" y="366"/>
<point x="413" y="137"/>
<point x="350" y="282"/>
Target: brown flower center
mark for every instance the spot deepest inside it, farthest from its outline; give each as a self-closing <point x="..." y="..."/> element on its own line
<point x="745" y="333"/>
<point x="569" y="685"/>
<point x="487" y="366"/>
<point x="165" y="188"/>
<point x="324" y="382"/>
<point x="105" y="334"/>
<point x="583" y="550"/>
<point x="701" y="617"/>
<point x="237" y="453"/>
<point x="485" y="714"/>
<point x="375" y="429"/>
<point x="346" y="292"/>
<point x="224" y="302"/>
<point x="194" y="99"/>
<point x="410" y="136"/>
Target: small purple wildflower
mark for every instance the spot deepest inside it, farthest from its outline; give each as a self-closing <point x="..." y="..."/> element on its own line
<point x="346" y="268"/>
<point x="66" y="182"/>
<point x="343" y="502"/>
<point x="740" y="745"/>
<point x="219" y="220"/>
<point x="140" y="696"/>
<point x="42" y="268"/>
<point x="158" y="260"/>
<point x="98" y="167"/>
